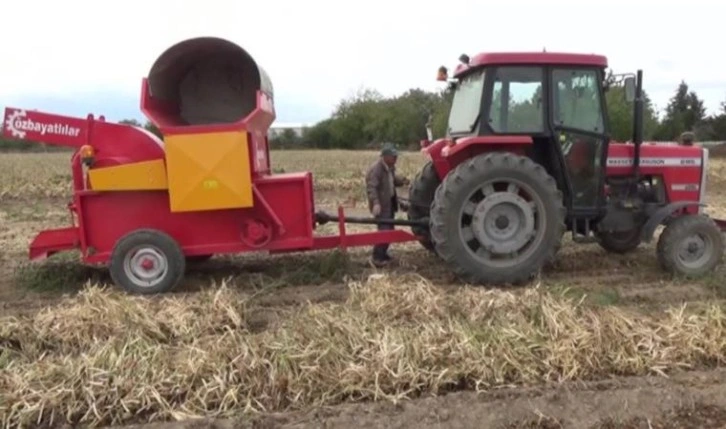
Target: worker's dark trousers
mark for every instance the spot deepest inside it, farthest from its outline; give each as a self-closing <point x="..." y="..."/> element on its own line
<point x="380" y="251"/>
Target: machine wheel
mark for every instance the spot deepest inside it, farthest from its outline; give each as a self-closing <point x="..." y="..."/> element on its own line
<point x="147" y="261"/>
<point x="690" y="245"/>
<point x="498" y="218"/>
<point x="420" y="195"/>
<point x="619" y="242"/>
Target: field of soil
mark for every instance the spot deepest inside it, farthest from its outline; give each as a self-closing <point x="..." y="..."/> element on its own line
<point x="327" y="340"/>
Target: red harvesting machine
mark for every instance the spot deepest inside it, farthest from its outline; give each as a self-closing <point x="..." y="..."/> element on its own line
<point x="527" y="156"/>
<point x="146" y="207"/>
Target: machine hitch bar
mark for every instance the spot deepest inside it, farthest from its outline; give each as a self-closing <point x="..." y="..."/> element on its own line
<point x="322" y="218"/>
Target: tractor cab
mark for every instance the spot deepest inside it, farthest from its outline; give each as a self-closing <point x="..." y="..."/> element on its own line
<point x="556" y="99"/>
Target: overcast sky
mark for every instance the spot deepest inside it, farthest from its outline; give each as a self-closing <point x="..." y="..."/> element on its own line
<point x="76" y="56"/>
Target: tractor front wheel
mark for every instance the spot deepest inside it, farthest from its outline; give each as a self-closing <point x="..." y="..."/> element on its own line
<point x="147" y="261"/>
<point x="498" y="218"/>
<point x="420" y="196"/>
<point x="691" y="246"/>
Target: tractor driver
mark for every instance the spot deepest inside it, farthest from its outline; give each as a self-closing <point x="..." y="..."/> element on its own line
<point x="580" y="160"/>
<point x="381" y="183"/>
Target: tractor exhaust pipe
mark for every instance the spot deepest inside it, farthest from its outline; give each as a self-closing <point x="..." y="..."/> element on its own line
<point x="638" y="123"/>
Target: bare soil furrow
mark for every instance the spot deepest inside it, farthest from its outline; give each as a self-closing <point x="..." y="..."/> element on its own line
<point x="686" y="400"/>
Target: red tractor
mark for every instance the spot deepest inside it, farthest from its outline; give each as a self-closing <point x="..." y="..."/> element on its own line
<point x="527" y="157"/>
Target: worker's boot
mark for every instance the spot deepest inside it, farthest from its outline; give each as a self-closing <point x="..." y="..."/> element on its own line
<point x="380" y="255"/>
<point x="380" y="258"/>
<point x="379" y="263"/>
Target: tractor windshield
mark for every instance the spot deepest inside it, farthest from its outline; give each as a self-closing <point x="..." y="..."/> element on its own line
<point x="466" y="104"/>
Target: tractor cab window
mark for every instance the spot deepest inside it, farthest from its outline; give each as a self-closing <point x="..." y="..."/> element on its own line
<point x="516" y="101"/>
<point x="577" y="100"/>
<point x="578" y="118"/>
<point x="465" y="106"/>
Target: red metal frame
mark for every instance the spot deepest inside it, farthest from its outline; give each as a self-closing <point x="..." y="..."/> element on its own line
<point x="51" y="241"/>
<point x="113" y="143"/>
<point x="502" y="58"/>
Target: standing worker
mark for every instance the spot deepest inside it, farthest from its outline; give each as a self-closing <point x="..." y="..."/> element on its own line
<point x="381" y="183"/>
<point x="688" y="138"/>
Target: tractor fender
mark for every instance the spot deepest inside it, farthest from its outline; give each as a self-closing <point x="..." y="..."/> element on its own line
<point x="660" y="215"/>
<point x="464" y="144"/>
<point x="452" y="153"/>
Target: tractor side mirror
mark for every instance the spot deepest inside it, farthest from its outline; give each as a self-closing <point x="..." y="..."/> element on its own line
<point x="629" y="83"/>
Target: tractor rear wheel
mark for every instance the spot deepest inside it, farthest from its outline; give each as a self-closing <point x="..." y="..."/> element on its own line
<point x="498" y="218"/>
<point x="691" y="246"/>
<point x="420" y="196"/>
<point x="619" y="242"/>
<point x="147" y="261"/>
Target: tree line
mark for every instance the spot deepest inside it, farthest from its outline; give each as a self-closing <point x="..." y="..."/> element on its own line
<point x="367" y="119"/>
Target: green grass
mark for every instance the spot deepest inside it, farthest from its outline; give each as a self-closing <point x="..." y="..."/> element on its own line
<point x="60" y="273"/>
<point x="65" y="272"/>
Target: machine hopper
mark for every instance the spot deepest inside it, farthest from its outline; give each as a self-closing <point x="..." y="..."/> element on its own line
<point x="207" y="81"/>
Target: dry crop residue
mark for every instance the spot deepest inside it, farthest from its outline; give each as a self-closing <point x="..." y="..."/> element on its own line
<point x="311" y="339"/>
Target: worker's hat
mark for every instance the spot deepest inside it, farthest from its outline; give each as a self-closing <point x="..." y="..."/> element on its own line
<point x="389" y="150"/>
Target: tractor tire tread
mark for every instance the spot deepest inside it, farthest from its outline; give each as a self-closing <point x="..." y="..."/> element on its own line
<point x="442" y="232"/>
<point x="420" y="195"/>
<point x="675" y="231"/>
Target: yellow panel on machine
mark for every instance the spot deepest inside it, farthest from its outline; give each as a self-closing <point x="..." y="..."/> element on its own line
<point x="138" y="176"/>
<point x="208" y="171"/>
